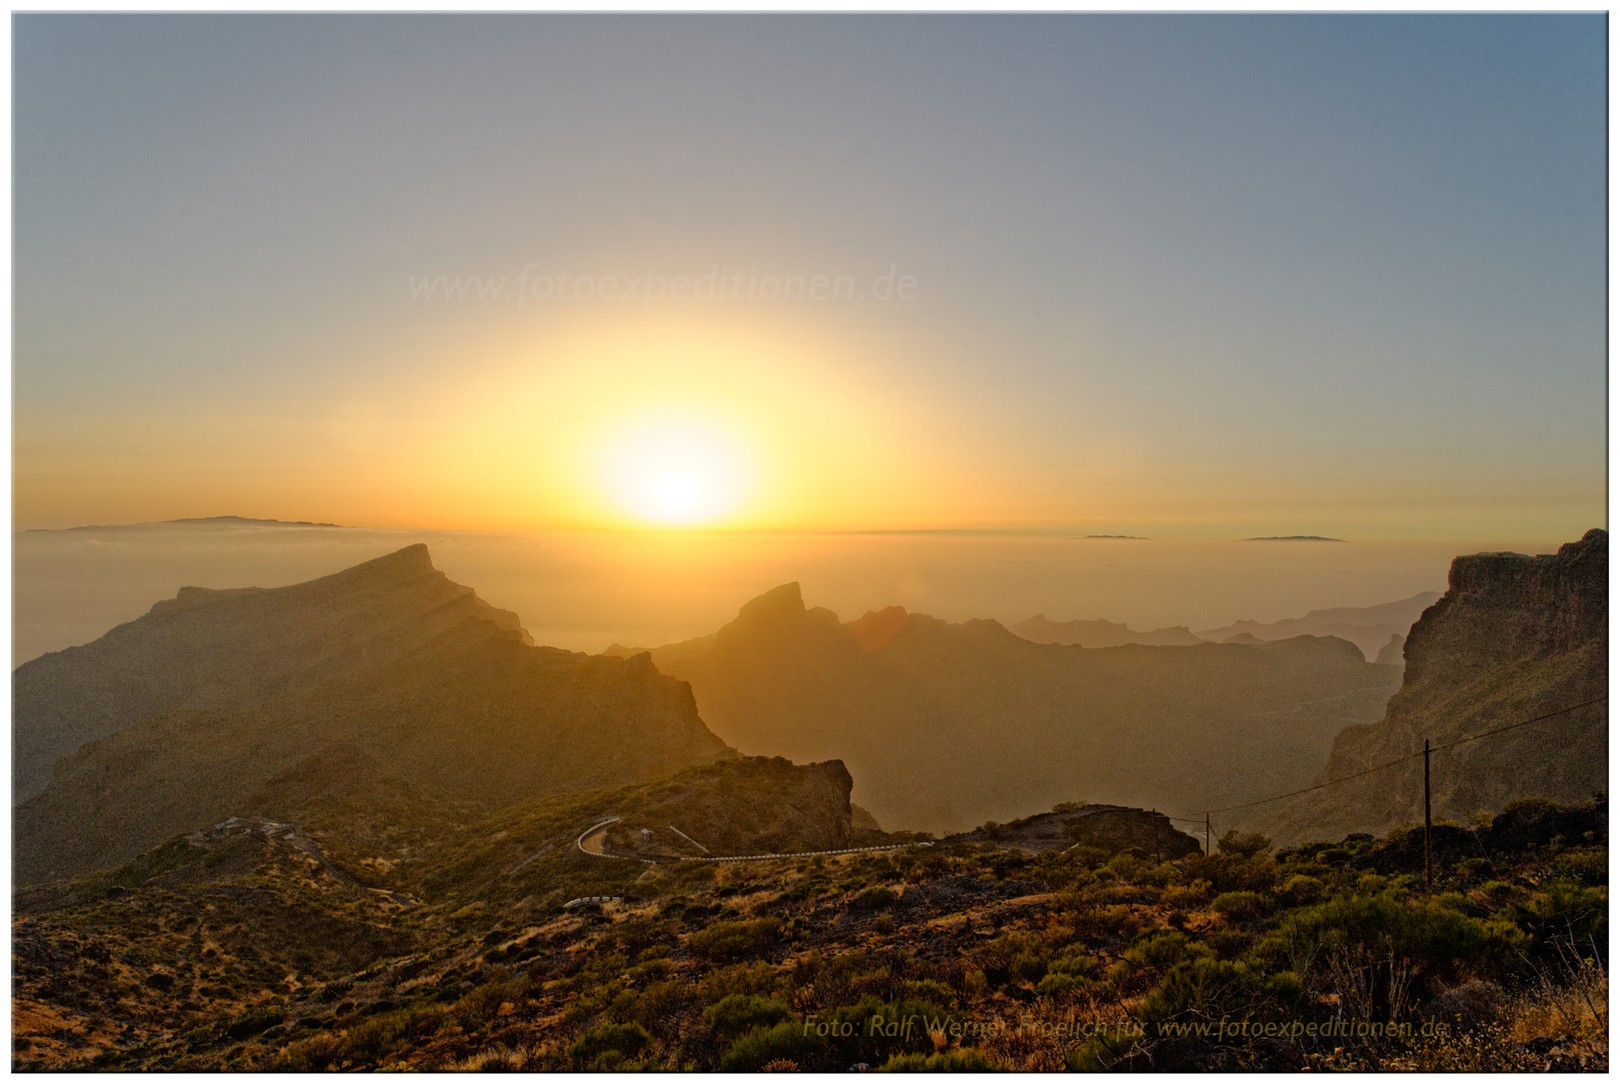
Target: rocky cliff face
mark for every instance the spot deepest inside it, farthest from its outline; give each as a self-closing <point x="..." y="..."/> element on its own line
<point x="749" y="806"/>
<point x="180" y="718"/>
<point x="1514" y="637"/>
<point x="1503" y="608"/>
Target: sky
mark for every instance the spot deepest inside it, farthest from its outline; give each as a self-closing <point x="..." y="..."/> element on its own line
<point x="1197" y="276"/>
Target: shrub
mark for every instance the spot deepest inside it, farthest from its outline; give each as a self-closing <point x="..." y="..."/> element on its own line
<point x="1057" y="985"/>
<point x="1157" y="950"/>
<point x="1076" y="963"/>
<point x="879" y="1029"/>
<point x="256" y="1020"/>
<point x="786" y="1041"/>
<point x="1187" y="897"/>
<point x="1240" y="907"/>
<point x="308" y="1055"/>
<point x="622" y="1040"/>
<point x="1567" y="916"/>
<point x="735" y="940"/>
<point x="733" y="1015"/>
<point x="1207" y="987"/>
<point x="1427" y="941"/>
<point x="1100" y="1053"/>
<point x="1303" y="889"/>
<point x="873" y="897"/>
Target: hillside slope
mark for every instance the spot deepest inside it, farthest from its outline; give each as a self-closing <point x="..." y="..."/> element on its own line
<point x="211" y="648"/>
<point x="224" y="692"/>
<point x="1514" y="637"/>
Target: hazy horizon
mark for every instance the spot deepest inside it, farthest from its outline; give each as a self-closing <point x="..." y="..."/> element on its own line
<point x="587" y="590"/>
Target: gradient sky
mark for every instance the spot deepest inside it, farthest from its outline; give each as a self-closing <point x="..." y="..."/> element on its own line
<point x="1191" y="275"/>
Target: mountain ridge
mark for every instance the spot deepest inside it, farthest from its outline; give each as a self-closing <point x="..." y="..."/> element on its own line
<point x="209" y="696"/>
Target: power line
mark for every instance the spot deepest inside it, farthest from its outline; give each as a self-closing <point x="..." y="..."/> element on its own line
<point x="1521" y="723"/>
<point x="1400" y="760"/>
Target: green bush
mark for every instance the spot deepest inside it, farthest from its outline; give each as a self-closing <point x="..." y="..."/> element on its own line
<point x="255" y="1020"/>
<point x="1567" y="916"/>
<point x="1207" y="987"/>
<point x="786" y="1041"/>
<point x="1057" y="985"/>
<point x="735" y="940"/>
<point x="738" y="1013"/>
<point x="1075" y="962"/>
<point x="1303" y="889"/>
<point x="878" y="1029"/>
<point x="1100" y="1053"/>
<point x="1440" y="945"/>
<point x="622" y="1040"/>
<point x="1240" y="907"/>
<point x="873" y="897"/>
<point x="1157" y="950"/>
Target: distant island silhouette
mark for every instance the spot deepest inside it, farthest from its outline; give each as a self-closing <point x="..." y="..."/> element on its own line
<point x="1313" y="539"/>
<point x="221" y="519"/>
<point x="1114" y="536"/>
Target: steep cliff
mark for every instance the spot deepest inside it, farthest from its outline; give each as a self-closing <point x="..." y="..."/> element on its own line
<point x="1514" y="637"/>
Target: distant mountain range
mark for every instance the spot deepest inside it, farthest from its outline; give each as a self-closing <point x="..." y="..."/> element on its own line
<point x="946" y="725"/>
<point x="1370" y="628"/>
<point x="1098" y="633"/>
<point x="185" y="715"/>
<point x="1377" y="630"/>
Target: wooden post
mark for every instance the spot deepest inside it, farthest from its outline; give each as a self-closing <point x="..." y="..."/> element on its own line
<point x="1428" y="851"/>
<point x="1206" y="834"/>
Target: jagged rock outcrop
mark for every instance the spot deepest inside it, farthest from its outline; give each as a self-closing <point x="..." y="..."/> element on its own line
<point x="1111" y="828"/>
<point x="750" y="806"/>
<point x="179" y="718"/>
<point x="1394" y="652"/>
<point x="1513" y="638"/>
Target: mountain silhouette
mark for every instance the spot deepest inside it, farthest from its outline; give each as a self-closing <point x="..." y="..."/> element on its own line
<point x="169" y="721"/>
<point x="1098" y="633"/>
<point x="946" y="725"/>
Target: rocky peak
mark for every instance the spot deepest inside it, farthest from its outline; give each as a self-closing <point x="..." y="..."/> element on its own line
<point x="1502" y="607"/>
<point x="782" y="601"/>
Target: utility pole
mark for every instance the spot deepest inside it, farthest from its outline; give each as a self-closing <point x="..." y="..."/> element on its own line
<point x="1206" y="834"/>
<point x="1428" y="851"/>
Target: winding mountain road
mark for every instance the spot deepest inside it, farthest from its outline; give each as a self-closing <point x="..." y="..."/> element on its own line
<point x="591" y="843"/>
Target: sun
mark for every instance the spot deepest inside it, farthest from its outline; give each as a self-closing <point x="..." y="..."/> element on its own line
<point x="676" y="472"/>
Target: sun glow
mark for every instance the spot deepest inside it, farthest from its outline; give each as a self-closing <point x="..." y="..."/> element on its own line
<point x="675" y="471"/>
<point x="677" y="425"/>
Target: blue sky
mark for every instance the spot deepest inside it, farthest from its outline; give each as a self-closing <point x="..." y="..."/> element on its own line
<point x="1309" y="273"/>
